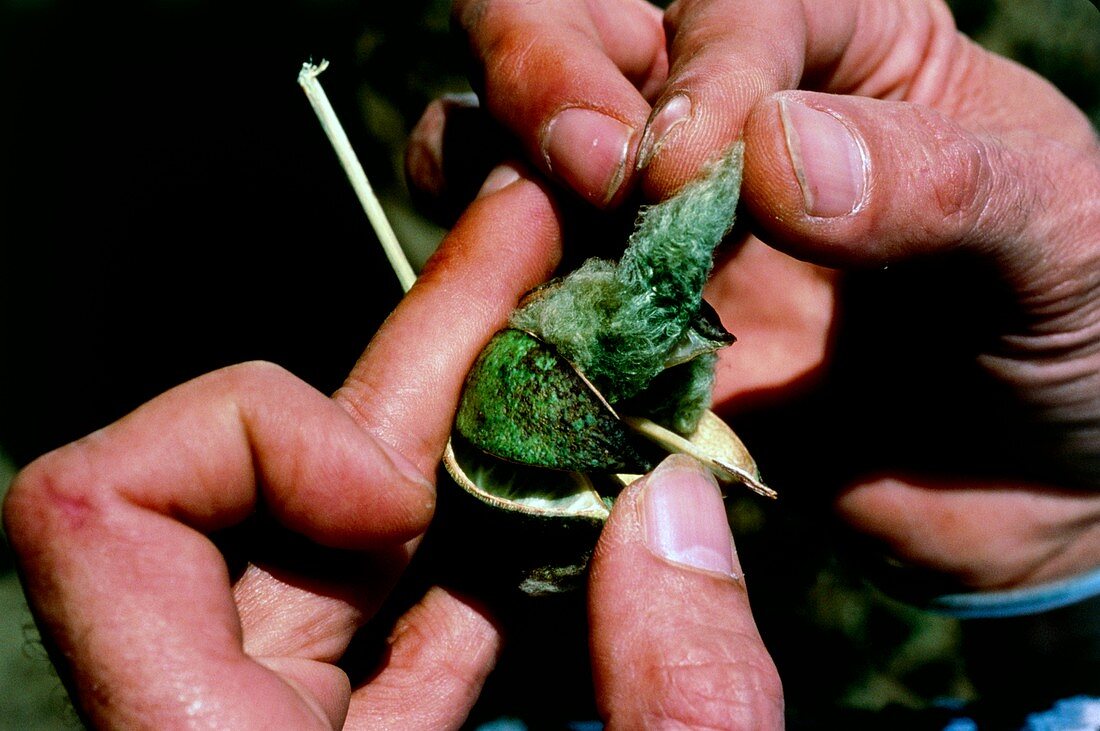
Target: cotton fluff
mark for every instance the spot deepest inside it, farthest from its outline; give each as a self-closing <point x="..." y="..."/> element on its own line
<point x="619" y="323"/>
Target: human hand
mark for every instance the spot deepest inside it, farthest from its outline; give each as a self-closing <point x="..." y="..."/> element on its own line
<point x="936" y="205"/>
<point x="117" y="535"/>
<point x="118" y="539"/>
<point x="673" y="639"/>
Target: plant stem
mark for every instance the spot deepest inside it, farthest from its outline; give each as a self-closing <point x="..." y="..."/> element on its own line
<point x="307" y="79"/>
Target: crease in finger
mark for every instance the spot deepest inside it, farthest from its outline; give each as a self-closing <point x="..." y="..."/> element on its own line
<point x="440" y="652"/>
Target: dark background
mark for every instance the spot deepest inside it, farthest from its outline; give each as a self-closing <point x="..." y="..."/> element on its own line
<point x="169" y="205"/>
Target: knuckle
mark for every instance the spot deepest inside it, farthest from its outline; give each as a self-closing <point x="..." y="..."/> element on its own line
<point x="434" y="647"/>
<point x="962" y="191"/>
<point x="958" y="169"/>
<point x="54" y="495"/>
<point x="512" y="59"/>
<point x="256" y="371"/>
<point x="240" y="383"/>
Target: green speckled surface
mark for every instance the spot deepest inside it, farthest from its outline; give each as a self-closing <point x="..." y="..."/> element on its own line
<point x="522" y="402"/>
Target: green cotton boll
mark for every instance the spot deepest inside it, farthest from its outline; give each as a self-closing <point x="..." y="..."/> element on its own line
<point x="671" y="251"/>
<point x="619" y="323"/>
<point x="593" y="322"/>
<point x="678" y="396"/>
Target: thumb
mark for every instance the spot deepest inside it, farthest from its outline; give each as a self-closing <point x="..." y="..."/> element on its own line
<point x="849" y="181"/>
<point x="673" y="638"/>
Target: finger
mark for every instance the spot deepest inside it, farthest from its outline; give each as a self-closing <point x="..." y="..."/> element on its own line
<point x="845" y="181"/>
<point x="567" y="78"/>
<point x="452" y="149"/>
<point x="724" y="55"/>
<point x="1028" y="533"/>
<point x="209" y="452"/>
<point x="107" y="533"/>
<point x="727" y="55"/>
<point x="782" y="311"/>
<point x="673" y="639"/>
<point x="440" y="653"/>
<point x="910" y="50"/>
<point x="405" y="387"/>
<point x="860" y="183"/>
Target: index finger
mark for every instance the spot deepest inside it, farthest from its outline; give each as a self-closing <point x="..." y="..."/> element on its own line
<point x="405" y="386"/>
<point x="569" y="78"/>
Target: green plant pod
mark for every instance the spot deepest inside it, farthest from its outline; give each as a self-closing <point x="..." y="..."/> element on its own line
<point x="539" y="525"/>
<point x="524" y="403"/>
<point x="538" y="443"/>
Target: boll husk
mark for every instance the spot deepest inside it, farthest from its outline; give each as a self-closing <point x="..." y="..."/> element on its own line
<point x="598" y="375"/>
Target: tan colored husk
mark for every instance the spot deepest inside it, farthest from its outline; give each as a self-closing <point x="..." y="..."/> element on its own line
<point x="713" y="443"/>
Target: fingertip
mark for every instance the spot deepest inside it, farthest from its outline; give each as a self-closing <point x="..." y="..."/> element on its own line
<point x="453" y="146"/>
<point x="591" y="151"/>
<point x="323" y="689"/>
<point x="405" y="386"/>
<point x="771" y="189"/>
<point x="667" y="117"/>
<point x="854" y="182"/>
<point x="441" y="653"/>
<point x="424" y="152"/>
<point x="829" y="159"/>
<point x="673" y="638"/>
<point x="718" y="70"/>
<point x="808" y="179"/>
<point x="500" y="178"/>
<point x="684" y="519"/>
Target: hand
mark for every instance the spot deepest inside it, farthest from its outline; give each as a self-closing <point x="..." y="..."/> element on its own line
<point x="937" y="309"/>
<point x="673" y="639"/>
<point x="117" y="535"/>
<point x="118" y="538"/>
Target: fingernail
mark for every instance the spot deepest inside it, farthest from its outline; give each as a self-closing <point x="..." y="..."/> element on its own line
<point x="408" y="470"/>
<point x="424" y="155"/>
<point x="828" y="160"/>
<point x="588" y="150"/>
<point x="685" y="518"/>
<point x="499" y="177"/>
<point x="671" y="115"/>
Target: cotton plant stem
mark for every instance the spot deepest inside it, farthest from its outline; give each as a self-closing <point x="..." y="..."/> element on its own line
<point x="307" y="79"/>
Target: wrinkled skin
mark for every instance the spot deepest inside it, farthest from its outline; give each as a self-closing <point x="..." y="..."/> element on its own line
<point x="117" y="536"/>
<point x="113" y="533"/>
<point x="916" y="293"/>
<point x="923" y="332"/>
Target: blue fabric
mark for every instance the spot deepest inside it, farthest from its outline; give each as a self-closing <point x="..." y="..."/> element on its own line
<point x="503" y="724"/>
<point x="515" y="724"/>
<point x="1081" y="713"/>
<point x="1019" y="602"/>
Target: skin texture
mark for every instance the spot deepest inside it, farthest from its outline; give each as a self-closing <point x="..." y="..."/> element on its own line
<point x="673" y="640"/>
<point x="117" y="535"/>
<point x="918" y="302"/>
<point x="112" y="532"/>
<point x="960" y="148"/>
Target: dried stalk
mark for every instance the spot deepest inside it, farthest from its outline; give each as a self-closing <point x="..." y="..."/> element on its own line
<point x="307" y="79"/>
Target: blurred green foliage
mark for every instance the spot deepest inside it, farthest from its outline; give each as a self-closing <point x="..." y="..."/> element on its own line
<point x="1060" y="39"/>
<point x="837" y="640"/>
